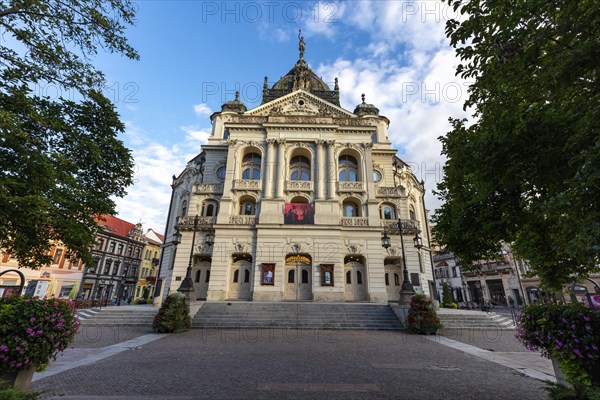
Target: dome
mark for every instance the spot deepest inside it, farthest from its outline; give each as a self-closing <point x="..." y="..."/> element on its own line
<point x="236" y="105"/>
<point x="301" y="77"/>
<point x="366" y="109"/>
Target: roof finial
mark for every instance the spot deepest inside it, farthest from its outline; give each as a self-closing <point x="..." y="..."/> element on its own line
<point x="363" y="98"/>
<point x="301" y="45"/>
<point x="237" y="95"/>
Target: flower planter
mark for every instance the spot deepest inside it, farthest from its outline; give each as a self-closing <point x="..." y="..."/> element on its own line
<point x="19" y="379"/>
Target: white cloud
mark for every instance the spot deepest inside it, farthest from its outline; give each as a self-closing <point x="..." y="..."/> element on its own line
<point x="148" y="198"/>
<point x="323" y="18"/>
<point x="202" y="109"/>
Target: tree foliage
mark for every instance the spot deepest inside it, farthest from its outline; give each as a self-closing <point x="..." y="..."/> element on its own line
<point x="60" y="159"/>
<point x="526" y="170"/>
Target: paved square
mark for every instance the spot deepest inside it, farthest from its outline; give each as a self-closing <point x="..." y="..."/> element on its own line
<point x="299" y="364"/>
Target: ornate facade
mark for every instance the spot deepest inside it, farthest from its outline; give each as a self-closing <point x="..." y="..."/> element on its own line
<point x="298" y="193"/>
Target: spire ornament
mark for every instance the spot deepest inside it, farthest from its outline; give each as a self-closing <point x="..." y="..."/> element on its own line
<point x="301" y="46"/>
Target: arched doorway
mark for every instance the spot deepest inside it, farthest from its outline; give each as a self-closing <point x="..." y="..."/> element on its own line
<point x="298" y="278"/>
<point x="239" y="280"/>
<point x="355" y="278"/>
<point x="201" y="277"/>
<point x="393" y="277"/>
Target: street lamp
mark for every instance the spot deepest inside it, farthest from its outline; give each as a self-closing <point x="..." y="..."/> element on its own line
<point x="210" y="238"/>
<point x="187" y="286"/>
<point x="407" y="290"/>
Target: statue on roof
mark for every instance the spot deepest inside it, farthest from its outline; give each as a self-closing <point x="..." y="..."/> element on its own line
<point x="301" y="45"/>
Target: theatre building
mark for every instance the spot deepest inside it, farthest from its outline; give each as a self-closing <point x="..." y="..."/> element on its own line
<point x="292" y="199"/>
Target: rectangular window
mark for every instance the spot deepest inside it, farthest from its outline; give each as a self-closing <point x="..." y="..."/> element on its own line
<point x="99" y="244"/>
<point x="120" y="249"/>
<point x="414" y="279"/>
<point x="57" y="256"/>
<point x="268" y="274"/>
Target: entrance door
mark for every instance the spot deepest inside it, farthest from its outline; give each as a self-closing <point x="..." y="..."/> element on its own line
<point x="355" y="282"/>
<point x="298" y="282"/>
<point x="240" y="281"/>
<point x="201" y="280"/>
<point x="392" y="281"/>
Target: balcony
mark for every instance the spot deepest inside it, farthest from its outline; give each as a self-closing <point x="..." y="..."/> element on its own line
<point x="299" y="186"/>
<point x="187" y="223"/>
<point x="243" y="220"/>
<point x="350" y="187"/>
<point x="396" y="191"/>
<point x="354" y="221"/>
<point x="244" y="184"/>
<point x="208" y="188"/>
<point x="409" y="227"/>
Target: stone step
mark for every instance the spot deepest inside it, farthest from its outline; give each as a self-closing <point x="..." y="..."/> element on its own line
<point x="296" y="316"/>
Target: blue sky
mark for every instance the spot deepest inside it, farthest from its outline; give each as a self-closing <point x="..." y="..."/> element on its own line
<point x="194" y="55"/>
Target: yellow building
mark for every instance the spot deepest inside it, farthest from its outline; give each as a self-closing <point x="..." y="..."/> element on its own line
<point x="149" y="266"/>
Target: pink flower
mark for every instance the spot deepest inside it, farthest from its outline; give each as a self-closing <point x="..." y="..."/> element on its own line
<point x="4" y="348"/>
<point x="32" y="319"/>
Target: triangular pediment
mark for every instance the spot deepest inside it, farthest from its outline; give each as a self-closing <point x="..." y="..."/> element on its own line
<point x="301" y="103"/>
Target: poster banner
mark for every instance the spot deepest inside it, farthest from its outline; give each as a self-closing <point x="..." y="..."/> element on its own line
<point x="299" y="214"/>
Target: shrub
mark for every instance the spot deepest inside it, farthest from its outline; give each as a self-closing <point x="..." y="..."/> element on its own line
<point x="12" y="393"/>
<point x="173" y="316"/>
<point x="33" y="331"/>
<point x="421" y="315"/>
<point x="447" y="299"/>
<point x="568" y="333"/>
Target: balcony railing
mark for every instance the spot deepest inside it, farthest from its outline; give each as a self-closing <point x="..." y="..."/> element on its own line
<point x="244" y="184"/>
<point x="396" y="191"/>
<point x="209" y="188"/>
<point x="243" y="220"/>
<point x="187" y="223"/>
<point x="409" y="227"/>
<point x="354" y="221"/>
<point x="302" y="186"/>
<point x="351" y="187"/>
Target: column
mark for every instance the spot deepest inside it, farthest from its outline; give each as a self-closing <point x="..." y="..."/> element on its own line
<point x="331" y="169"/>
<point x="280" y="168"/>
<point x="268" y="175"/>
<point x="320" y="170"/>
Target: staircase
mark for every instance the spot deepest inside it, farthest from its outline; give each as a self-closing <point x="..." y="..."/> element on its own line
<point x="471" y="319"/>
<point x="137" y="315"/>
<point x="296" y="315"/>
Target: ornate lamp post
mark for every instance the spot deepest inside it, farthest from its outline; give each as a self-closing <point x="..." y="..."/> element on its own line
<point x="406" y="290"/>
<point x="187" y="286"/>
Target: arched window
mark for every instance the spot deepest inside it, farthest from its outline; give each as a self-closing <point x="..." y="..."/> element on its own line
<point x="359" y="277"/>
<point x="300" y="169"/>
<point x="349" y="277"/>
<point x="350" y="209"/>
<point x="348" y="168"/>
<point x="184" y="208"/>
<point x="198" y="276"/>
<point x="248" y="207"/>
<point x="387" y="280"/>
<point x="388" y="212"/>
<point x="396" y="280"/>
<point x="207" y="276"/>
<point x="246" y="276"/>
<point x="304" y="276"/>
<point x="291" y="274"/>
<point x="411" y="212"/>
<point x="376" y="176"/>
<point x="226" y="134"/>
<point x="236" y="276"/>
<point x="251" y="167"/>
<point x="209" y="209"/>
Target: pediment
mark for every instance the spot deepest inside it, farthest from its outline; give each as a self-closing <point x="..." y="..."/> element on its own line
<point x="300" y="103"/>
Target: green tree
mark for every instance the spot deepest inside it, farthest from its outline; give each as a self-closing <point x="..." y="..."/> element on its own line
<point x="61" y="161"/>
<point x="526" y="168"/>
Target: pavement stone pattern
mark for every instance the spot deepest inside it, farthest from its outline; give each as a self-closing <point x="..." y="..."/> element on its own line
<point x="94" y="336"/>
<point x="489" y="339"/>
<point x="295" y="364"/>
